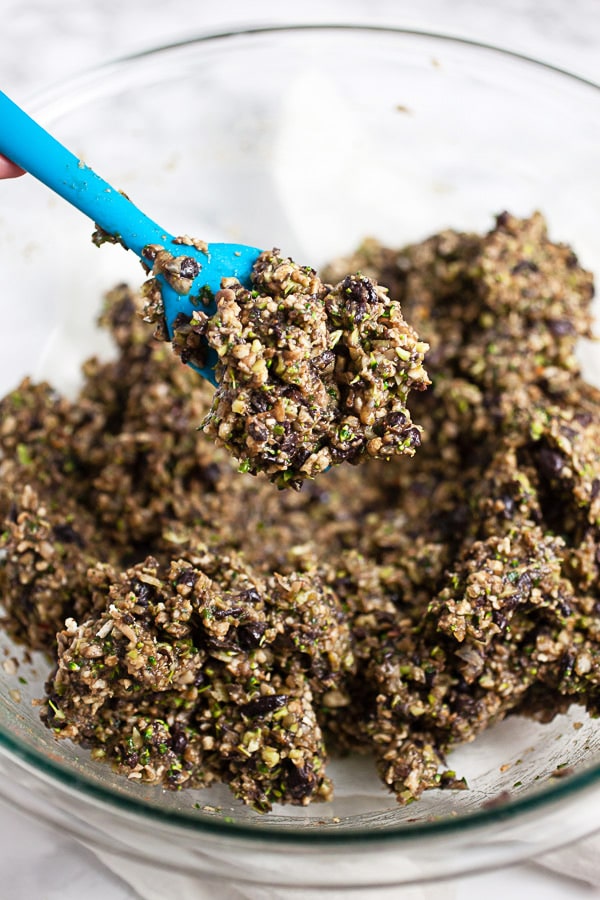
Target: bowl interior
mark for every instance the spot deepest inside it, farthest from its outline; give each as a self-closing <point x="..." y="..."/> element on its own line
<point x="305" y="139"/>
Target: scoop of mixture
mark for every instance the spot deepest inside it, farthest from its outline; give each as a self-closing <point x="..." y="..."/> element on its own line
<point x="309" y="375"/>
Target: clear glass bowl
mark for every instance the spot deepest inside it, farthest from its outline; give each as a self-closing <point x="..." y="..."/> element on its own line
<point x="307" y="138"/>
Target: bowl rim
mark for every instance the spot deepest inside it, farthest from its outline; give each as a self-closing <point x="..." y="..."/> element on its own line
<point x="194" y="821"/>
<point x="68" y="778"/>
<point x="46" y="94"/>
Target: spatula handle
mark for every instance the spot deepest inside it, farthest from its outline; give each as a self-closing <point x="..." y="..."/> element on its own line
<point x="30" y="146"/>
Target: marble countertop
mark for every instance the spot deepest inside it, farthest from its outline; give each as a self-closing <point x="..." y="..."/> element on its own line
<point x="41" y="43"/>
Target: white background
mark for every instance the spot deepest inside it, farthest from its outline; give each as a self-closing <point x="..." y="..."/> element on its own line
<point x="42" y="42"/>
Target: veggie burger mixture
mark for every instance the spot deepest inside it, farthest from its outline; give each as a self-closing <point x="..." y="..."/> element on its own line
<point x="308" y="375"/>
<point x="205" y="627"/>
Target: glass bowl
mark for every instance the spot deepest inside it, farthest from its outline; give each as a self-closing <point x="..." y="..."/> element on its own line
<point x="307" y="138"/>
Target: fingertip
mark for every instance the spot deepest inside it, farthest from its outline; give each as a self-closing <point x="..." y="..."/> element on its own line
<point x="8" y="169"/>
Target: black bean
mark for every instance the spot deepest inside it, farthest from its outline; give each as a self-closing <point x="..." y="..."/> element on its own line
<point x="357" y="293"/>
<point x="524" y="265"/>
<point x="189" y="267"/>
<point x="299" y="457"/>
<point x="467" y="707"/>
<point x="258" y="431"/>
<point x="564" y="607"/>
<point x="568" y="661"/>
<point x="300" y="780"/>
<point x="551" y="462"/>
<point x="291" y="391"/>
<point x="561" y="327"/>
<point x="199" y="326"/>
<point x="289" y="443"/>
<point x="262" y="706"/>
<point x="413" y="435"/>
<point x="259" y="401"/>
<point x="395" y="420"/>
<point x="231" y="612"/>
<point x="188" y="578"/>
<point x="524" y="582"/>
<point x="571" y="261"/>
<point x="144" y="592"/>
<point x="509" y="506"/>
<point x="180" y="320"/>
<point x="510" y="603"/>
<point x="500" y="619"/>
<point x="250" y="635"/>
<point x="67" y="534"/>
<point x="150" y="252"/>
<point x="339" y="454"/>
<point x="325" y="361"/>
<point x="179" y="740"/>
<point x="429" y="677"/>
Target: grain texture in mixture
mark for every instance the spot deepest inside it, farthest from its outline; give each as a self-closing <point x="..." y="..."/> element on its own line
<point x="206" y="627"/>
